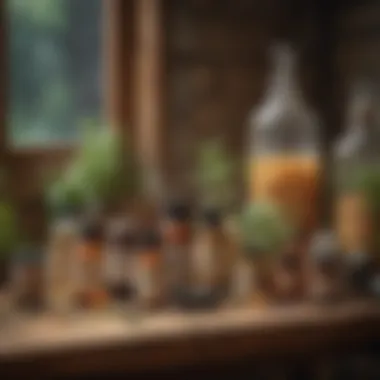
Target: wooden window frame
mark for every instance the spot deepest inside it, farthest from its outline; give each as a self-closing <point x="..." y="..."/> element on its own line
<point x="133" y="69"/>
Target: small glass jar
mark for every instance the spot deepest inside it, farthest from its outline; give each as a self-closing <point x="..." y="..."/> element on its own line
<point x="120" y="257"/>
<point x="59" y="265"/>
<point x="212" y="255"/>
<point x="27" y="279"/>
<point x="327" y="267"/>
<point x="177" y="235"/>
<point x="91" y="291"/>
<point x="360" y="272"/>
<point x="149" y="270"/>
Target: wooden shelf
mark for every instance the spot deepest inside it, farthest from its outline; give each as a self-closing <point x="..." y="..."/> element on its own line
<point x="48" y="346"/>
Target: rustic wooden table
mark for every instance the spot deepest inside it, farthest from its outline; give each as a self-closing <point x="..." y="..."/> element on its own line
<point x="45" y="345"/>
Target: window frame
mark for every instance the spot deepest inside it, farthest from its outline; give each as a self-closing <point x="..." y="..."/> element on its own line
<point x="116" y="67"/>
<point x="133" y="96"/>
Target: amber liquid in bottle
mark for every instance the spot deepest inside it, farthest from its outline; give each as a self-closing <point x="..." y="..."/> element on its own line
<point x="284" y="164"/>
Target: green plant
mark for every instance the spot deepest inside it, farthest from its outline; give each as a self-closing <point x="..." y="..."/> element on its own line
<point x="215" y="172"/>
<point x="264" y="230"/>
<point x="100" y="172"/>
<point x="366" y="180"/>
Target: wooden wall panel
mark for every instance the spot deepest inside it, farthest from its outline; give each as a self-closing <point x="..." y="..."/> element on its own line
<point x="217" y="69"/>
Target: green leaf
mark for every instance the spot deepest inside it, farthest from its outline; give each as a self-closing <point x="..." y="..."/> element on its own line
<point x="264" y="230"/>
<point x="101" y="171"/>
<point x="215" y="171"/>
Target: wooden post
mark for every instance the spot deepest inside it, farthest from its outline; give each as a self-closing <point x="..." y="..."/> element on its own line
<point x="149" y="95"/>
<point x="118" y="55"/>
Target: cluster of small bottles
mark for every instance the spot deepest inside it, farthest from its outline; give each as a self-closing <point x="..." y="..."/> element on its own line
<point x="126" y="265"/>
<point x="171" y="264"/>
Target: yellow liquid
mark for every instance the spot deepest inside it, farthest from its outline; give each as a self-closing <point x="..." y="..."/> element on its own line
<point x="353" y="222"/>
<point x="289" y="180"/>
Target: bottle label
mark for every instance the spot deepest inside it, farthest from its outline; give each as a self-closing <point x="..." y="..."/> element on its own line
<point x="178" y="266"/>
<point x="114" y="266"/>
<point x="146" y="282"/>
<point x="203" y="261"/>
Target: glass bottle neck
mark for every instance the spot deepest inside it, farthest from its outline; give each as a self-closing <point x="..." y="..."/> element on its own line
<point x="283" y="83"/>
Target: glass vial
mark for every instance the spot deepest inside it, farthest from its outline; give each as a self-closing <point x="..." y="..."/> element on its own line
<point x="27" y="279"/>
<point x="91" y="292"/>
<point x="60" y="261"/>
<point x="177" y="233"/>
<point x="120" y="257"/>
<point x="212" y="255"/>
<point x="149" y="270"/>
<point x="327" y="268"/>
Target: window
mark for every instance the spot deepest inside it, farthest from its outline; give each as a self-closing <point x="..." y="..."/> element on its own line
<point x="54" y="69"/>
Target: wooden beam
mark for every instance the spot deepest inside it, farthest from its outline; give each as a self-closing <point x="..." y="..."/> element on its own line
<point x="118" y="55"/>
<point x="149" y="95"/>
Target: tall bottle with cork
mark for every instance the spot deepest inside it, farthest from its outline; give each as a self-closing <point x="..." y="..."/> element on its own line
<point x="284" y="159"/>
<point x="357" y="169"/>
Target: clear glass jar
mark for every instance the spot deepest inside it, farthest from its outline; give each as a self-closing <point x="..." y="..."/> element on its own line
<point x="149" y="274"/>
<point x="284" y="155"/>
<point x="213" y="256"/>
<point x="60" y="263"/>
<point x="90" y="287"/>
<point x="120" y="257"/>
<point x="357" y="173"/>
<point x="327" y="271"/>
<point x="357" y="188"/>
<point x="177" y="235"/>
<point x="27" y="278"/>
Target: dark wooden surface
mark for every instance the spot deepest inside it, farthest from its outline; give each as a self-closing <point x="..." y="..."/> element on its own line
<point x="110" y="344"/>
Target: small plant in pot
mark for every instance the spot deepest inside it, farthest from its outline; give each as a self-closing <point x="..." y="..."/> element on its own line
<point x="264" y="234"/>
<point x="101" y="174"/>
<point x="215" y="176"/>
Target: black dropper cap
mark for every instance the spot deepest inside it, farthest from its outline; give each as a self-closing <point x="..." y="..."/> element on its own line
<point x="212" y="217"/>
<point x="124" y="235"/>
<point x="179" y="211"/>
<point x="92" y="230"/>
<point x="150" y="238"/>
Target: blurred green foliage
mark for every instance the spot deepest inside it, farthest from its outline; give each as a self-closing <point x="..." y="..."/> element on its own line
<point x="101" y="171"/>
<point x="364" y="179"/>
<point x="264" y="230"/>
<point x="215" y="175"/>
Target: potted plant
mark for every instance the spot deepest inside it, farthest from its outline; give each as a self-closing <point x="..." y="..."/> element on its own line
<point x="215" y="176"/>
<point x="264" y="234"/>
<point x="101" y="173"/>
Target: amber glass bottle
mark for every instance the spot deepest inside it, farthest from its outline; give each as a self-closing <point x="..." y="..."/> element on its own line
<point x="91" y="291"/>
<point x="177" y="234"/>
<point x="149" y="270"/>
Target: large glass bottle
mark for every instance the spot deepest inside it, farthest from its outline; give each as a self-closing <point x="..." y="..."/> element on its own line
<point x="357" y="164"/>
<point x="284" y="146"/>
